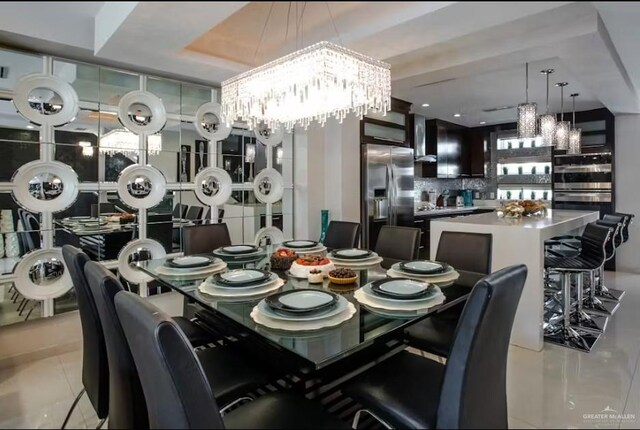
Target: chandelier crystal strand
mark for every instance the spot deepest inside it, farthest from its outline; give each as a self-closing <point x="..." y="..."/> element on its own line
<point x="547" y="121"/>
<point x="527" y="113"/>
<point x="575" y="135"/>
<point x="563" y="127"/>
<point x="313" y="84"/>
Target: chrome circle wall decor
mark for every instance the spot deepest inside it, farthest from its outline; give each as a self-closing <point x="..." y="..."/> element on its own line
<point x="138" y="250"/>
<point x="209" y="124"/>
<point x="269" y="236"/>
<point x="141" y="187"/>
<point x="213" y="186"/>
<point x="142" y="112"/>
<point x="45" y="186"/>
<point x="41" y="274"/>
<point x="268" y="186"/>
<point x="46" y="100"/>
<point x="267" y="136"/>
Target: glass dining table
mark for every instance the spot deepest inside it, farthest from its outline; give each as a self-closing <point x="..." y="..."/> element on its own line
<point x="316" y="349"/>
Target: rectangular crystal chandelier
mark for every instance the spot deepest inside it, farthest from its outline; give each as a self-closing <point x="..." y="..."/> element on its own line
<point x="311" y="84"/>
<point x="527" y="117"/>
<point x="562" y="135"/>
<point x="548" y="129"/>
<point x="574" y="141"/>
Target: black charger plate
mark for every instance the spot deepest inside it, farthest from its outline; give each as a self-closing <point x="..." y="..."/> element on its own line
<point x="273" y="301"/>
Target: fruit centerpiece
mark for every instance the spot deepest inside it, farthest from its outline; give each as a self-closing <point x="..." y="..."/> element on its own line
<point x="282" y="259"/>
<point x="519" y="208"/>
<point x="343" y="276"/>
<point x="303" y="265"/>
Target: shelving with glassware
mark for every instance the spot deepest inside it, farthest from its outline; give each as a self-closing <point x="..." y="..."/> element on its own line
<point x="524" y="169"/>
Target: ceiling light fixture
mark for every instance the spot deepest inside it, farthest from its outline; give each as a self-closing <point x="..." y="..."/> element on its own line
<point x="127" y="143"/>
<point x="457" y="115"/>
<point x="575" y="135"/>
<point x="527" y="113"/>
<point x="312" y="84"/>
<point x="562" y="127"/>
<point x="425" y="104"/>
<point x="547" y="121"/>
<point x="483" y="122"/>
<point x="30" y="126"/>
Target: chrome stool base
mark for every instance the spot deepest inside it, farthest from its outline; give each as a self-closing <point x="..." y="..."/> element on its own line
<point x="597" y="306"/>
<point x="609" y="294"/>
<point x="584" y="321"/>
<point x="574" y="338"/>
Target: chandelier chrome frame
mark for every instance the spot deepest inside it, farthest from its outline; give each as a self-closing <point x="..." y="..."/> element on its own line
<point x="575" y="135"/>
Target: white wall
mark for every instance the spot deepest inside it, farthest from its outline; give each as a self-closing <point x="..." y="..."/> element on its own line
<point x="627" y="159"/>
<point x="327" y="175"/>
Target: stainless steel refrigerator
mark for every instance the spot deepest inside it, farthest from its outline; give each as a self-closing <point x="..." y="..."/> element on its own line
<point x="386" y="189"/>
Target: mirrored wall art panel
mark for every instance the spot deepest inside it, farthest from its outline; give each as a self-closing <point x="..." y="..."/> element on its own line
<point x="83" y="77"/>
<point x="14" y="127"/>
<point x="80" y="152"/>
<point x="17" y="65"/>
<point x="45" y="100"/>
<point x="194" y="96"/>
<point x="169" y="91"/>
<point x="114" y="84"/>
<point x="16" y="154"/>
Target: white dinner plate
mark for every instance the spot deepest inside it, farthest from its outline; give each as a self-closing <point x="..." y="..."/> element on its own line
<point x="301" y="244"/>
<point x="403" y="287"/>
<point x="425" y="266"/>
<point x="193" y="272"/>
<point x="191" y="261"/>
<point x="241" y="276"/>
<point x="211" y="281"/>
<point x="396" y="267"/>
<point x="239" y="293"/>
<point x="308" y="299"/>
<point x="340" y="307"/>
<point x="238" y="249"/>
<point x="402" y="305"/>
<point x="391" y="301"/>
<point x="303" y="326"/>
<point x="445" y="278"/>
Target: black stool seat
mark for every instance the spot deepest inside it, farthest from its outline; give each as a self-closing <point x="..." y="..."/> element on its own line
<point x="571" y="263"/>
<point x="281" y="411"/>
<point x="230" y="374"/>
<point x="196" y="334"/>
<point x="400" y="404"/>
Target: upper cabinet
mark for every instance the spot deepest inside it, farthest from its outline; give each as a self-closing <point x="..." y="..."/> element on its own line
<point x="389" y="129"/>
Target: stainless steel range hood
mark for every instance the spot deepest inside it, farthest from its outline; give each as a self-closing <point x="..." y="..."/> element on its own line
<point x="420" y="140"/>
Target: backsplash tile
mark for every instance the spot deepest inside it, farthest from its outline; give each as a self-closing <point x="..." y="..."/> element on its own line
<point x="453" y="185"/>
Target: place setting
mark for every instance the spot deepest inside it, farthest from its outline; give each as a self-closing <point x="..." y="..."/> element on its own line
<point x="302" y="310"/>
<point x="399" y="298"/>
<point x="239" y="252"/>
<point x="301" y="246"/>
<point x="192" y="266"/>
<point x="434" y="272"/>
<point x="240" y="284"/>
<point x="354" y="258"/>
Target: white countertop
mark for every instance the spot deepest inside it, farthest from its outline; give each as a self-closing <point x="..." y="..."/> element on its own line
<point x="551" y="219"/>
<point x="448" y="210"/>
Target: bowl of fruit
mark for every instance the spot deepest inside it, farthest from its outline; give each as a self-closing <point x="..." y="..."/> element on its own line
<point x="282" y="259"/>
<point x="343" y="276"/>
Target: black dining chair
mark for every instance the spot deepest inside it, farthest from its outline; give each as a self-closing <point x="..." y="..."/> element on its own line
<point x="235" y="375"/>
<point x="342" y="234"/>
<point x="397" y="244"/>
<point x="194" y="213"/>
<point x="180" y="211"/>
<point x="409" y="391"/>
<point x="178" y="391"/>
<point x="207" y="216"/>
<point x="470" y="252"/>
<point x="95" y="367"/>
<point x="204" y="238"/>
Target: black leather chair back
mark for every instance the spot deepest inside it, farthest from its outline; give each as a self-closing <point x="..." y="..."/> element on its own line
<point x="204" y="238"/>
<point x="397" y="244"/>
<point x="617" y="223"/>
<point x="474" y="391"/>
<point x="596" y="243"/>
<point x="127" y="406"/>
<point x="176" y="388"/>
<point x="207" y="217"/>
<point x="628" y="220"/>
<point x="194" y="213"/>
<point x="160" y="228"/>
<point x="470" y="252"/>
<point x="95" y="365"/>
<point x="180" y="211"/>
<point x="342" y="234"/>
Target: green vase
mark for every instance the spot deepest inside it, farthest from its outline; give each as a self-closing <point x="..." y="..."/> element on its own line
<point x="324" y="223"/>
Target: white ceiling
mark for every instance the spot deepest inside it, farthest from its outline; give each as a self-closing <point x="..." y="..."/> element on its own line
<point x="457" y="56"/>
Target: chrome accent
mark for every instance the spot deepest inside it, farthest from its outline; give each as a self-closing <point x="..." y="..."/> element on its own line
<point x="582" y="197"/>
<point x="594" y="154"/>
<point x="604" y="186"/>
<point x="576" y="168"/>
<point x="356" y="419"/>
<point x="73" y="406"/>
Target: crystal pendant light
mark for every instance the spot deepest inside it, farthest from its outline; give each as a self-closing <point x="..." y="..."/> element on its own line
<point x="527" y="113"/>
<point x="311" y="84"/>
<point x="547" y="121"/>
<point x="575" y="135"/>
<point x="562" y="127"/>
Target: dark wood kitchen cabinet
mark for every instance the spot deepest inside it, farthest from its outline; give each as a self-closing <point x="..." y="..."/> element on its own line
<point x="473" y="157"/>
<point x="445" y="139"/>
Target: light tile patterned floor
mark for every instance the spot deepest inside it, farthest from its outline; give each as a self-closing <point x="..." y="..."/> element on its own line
<point x="556" y="388"/>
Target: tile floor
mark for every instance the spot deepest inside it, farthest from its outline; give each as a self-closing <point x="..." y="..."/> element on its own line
<point x="555" y="388"/>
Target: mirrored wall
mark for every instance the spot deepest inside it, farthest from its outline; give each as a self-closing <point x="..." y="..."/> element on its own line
<point x="108" y="160"/>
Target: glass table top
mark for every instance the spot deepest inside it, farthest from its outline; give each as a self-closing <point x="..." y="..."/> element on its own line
<point x="318" y="348"/>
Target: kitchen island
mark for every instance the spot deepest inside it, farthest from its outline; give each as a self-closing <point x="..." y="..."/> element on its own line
<point x="519" y="241"/>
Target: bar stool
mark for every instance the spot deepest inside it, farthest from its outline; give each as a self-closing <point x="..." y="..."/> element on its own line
<point x="621" y="223"/>
<point x="577" y="329"/>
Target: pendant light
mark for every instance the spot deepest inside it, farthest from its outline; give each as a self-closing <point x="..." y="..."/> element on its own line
<point x="575" y="135"/>
<point x="547" y="121"/>
<point x="562" y="127"/>
<point x="527" y="113"/>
